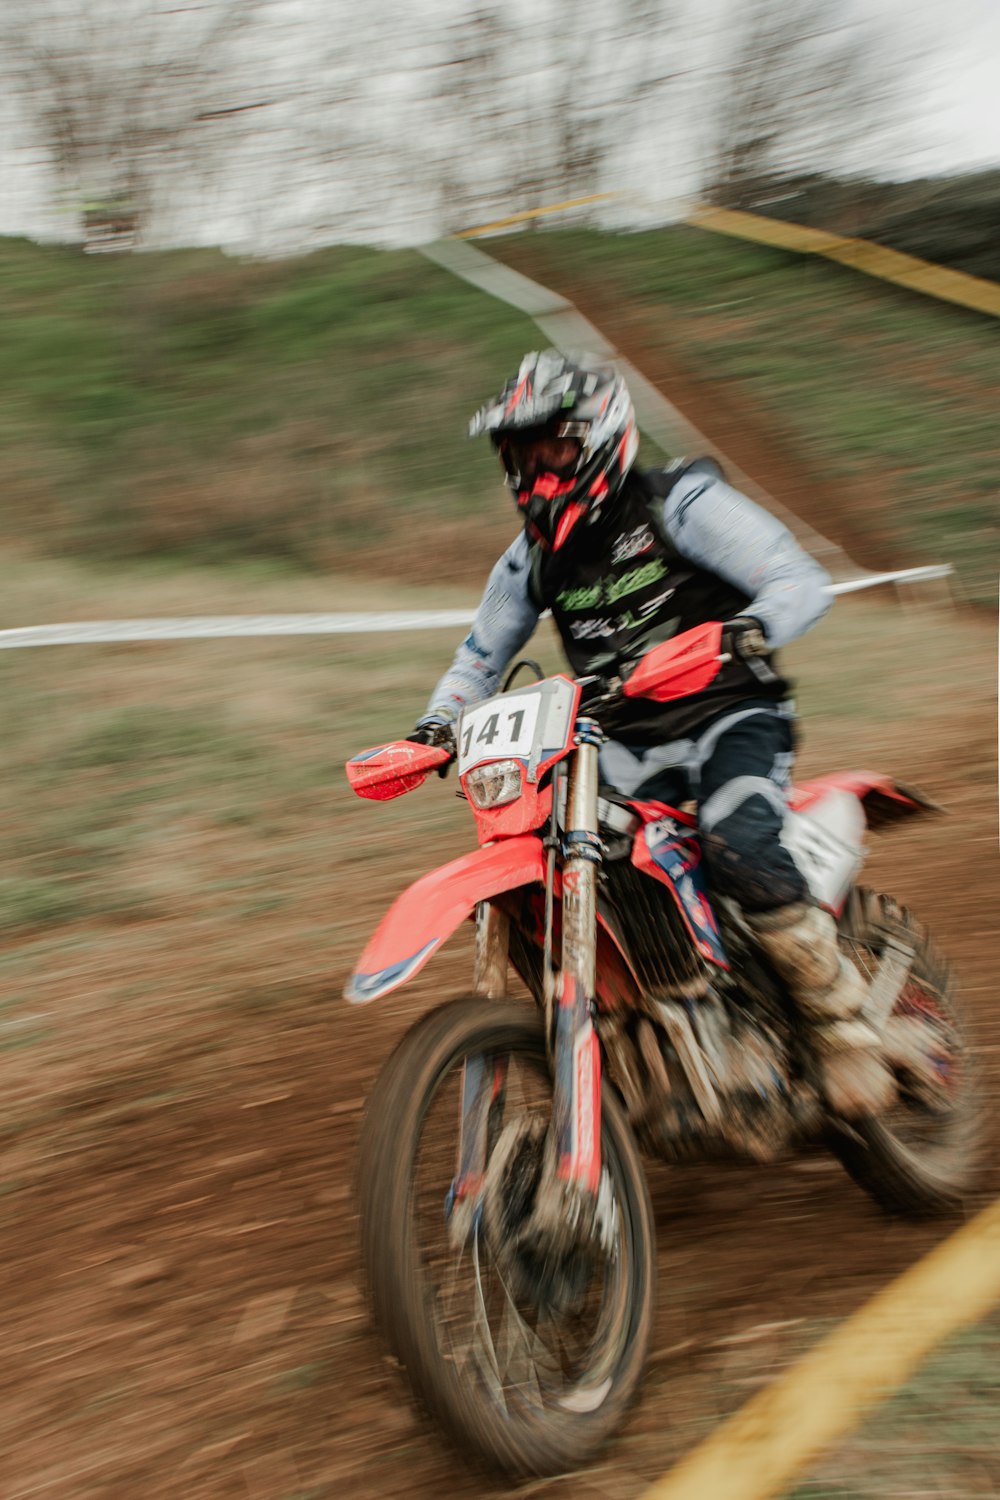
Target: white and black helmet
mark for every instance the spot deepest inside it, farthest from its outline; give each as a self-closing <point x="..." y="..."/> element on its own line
<point x="554" y="397"/>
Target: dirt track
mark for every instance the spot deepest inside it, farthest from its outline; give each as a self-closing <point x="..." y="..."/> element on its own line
<point x="181" y="1315"/>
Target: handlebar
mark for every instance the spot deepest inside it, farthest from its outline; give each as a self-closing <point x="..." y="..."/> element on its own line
<point x="674" y="669"/>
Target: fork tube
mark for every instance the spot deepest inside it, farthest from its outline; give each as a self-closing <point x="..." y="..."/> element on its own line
<point x="551" y="846"/>
<point x="484" y="1078"/>
<point x="577" y="1106"/>
<point x="492" y="944"/>
<point x="484" y="1083"/>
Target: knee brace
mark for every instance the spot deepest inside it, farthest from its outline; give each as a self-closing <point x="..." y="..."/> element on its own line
<point x="740" y="825"/>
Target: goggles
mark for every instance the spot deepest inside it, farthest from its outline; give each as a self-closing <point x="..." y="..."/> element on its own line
<point x="555" y="448"/>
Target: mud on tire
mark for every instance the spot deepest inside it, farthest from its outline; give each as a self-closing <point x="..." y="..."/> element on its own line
<point x="520" y="1420"/>
<point x="918" y="1159"/>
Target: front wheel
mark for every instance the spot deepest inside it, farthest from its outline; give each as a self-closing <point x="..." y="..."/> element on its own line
<point x="921" y="1157"/>
<point x="528" y="1359"/>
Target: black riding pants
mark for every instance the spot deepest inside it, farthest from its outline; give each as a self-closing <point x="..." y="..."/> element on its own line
<point x="737" y="771"/>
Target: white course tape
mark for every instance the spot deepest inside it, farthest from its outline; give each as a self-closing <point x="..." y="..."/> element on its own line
<point x="906" y="575"/>
<point x="218" y="627"/>
<point x="208" y="627"/>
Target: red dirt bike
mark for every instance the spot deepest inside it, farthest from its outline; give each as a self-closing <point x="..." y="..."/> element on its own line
<point x="507" y="1232"/>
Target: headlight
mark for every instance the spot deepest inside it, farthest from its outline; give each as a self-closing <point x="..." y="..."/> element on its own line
<point x="494" y="784"/>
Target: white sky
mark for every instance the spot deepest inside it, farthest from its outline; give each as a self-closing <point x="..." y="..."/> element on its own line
<point x="960" y="40"/>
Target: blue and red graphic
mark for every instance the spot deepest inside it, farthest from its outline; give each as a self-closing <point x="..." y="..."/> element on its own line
<point x="666" y="849"/>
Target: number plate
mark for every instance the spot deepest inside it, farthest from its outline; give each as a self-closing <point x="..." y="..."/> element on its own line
<point x="501" y="729"/>
<point x="828" y="861"/>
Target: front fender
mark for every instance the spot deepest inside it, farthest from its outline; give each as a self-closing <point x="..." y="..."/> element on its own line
<point x="427" y="913"/>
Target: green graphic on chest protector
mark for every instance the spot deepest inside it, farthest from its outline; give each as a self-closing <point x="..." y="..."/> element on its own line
<point x="610" y="590"/>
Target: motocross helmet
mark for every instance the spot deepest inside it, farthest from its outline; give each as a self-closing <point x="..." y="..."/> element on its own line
<point x="566" y="436"/>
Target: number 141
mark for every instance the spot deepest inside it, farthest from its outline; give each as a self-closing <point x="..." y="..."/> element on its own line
<point x="490" y="730"/>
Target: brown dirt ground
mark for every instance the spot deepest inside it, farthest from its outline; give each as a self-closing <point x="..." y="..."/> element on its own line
<point x="181" y="1313"/>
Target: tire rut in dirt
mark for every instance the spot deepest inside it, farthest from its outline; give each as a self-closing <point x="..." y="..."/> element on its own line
<point x="510" y="1427"/>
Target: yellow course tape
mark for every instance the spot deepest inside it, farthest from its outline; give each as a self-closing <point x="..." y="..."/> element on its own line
<point x="862" y="255"/>
<point x="757" y="1452"/>
<point x="531" y="213"/>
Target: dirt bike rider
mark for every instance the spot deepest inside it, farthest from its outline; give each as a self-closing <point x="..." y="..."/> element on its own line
<point x="625" y="559"/>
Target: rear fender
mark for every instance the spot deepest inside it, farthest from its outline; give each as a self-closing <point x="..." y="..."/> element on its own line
<point x="883" y="799"/>
<point x="427" y="913"/>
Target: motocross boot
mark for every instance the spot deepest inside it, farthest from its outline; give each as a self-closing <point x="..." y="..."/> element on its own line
<point x="801" y="943"/>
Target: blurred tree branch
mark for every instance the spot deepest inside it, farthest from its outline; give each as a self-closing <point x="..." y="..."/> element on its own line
<point x="120" y="93"/>
<point x="803" y="86"/>
<point x="279" y="123"/>
<point x="529" y="106"/>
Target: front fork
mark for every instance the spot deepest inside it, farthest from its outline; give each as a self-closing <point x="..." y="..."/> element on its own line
<point x="574" y="1047"/>
<point x="576" y="1054"/>
<point x="484" y="1078"/>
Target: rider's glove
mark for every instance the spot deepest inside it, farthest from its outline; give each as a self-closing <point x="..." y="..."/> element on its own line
<point x="745" y="637"/>
<point x="436" y="732"/>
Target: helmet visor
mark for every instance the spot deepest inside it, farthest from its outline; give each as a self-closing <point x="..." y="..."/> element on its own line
<point x="555" y="448"/>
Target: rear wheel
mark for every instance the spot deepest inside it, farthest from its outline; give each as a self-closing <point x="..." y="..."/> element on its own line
<point x="526" y="1357"/>
<point x="920" y="1157"/>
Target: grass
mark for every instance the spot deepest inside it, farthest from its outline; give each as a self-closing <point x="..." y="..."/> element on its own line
<point x="27" y="901"/>
<point x="187" y="405"/>
<point x="146" y="783"/>
<point x="874" y="386"/>
<point x="935" y="1437"/>
<point x="308" y="415"/>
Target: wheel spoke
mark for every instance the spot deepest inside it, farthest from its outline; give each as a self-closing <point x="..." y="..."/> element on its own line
<point x="519" y="1354"/>
<point x="497" y="1337"/>
<point x="921" y="1155"/>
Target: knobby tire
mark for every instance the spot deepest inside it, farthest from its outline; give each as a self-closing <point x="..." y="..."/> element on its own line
<point x="913" y="1161"/>
<point x="515" y="1438"/>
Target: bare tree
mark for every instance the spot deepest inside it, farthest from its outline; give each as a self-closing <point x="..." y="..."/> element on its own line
<point x="479" y="156"/>
<point x="126" y="95"/>
<point x="287" y="122"/>
<point x="323" y="167"/>
<point x="533" y="105"/>
<point x="802" y="87"/>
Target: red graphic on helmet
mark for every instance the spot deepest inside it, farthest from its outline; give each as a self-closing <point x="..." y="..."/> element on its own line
<point x="566" y="436"/>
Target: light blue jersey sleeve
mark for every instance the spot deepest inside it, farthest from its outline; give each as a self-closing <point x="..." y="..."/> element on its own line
<point x="718" y="528"/>
<point x="504" y="621"/>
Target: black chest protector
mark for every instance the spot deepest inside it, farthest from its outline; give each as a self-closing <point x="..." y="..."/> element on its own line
<point x="622" y="587"/>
